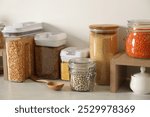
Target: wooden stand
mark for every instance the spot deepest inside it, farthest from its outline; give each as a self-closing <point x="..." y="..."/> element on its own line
<point x="118" y="67"/>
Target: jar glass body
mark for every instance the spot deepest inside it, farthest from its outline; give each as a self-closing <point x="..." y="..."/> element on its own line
<point x="138" y="39"/>
<point x="103" y="45"/>
<point x="82" y="74"/>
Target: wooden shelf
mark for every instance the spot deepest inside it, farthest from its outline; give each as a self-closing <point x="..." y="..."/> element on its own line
<point x="118" y="66"/>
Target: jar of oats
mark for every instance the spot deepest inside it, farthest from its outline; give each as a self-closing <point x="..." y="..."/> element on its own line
<point x="82" y="74"/>
<point x="103" y="45"/>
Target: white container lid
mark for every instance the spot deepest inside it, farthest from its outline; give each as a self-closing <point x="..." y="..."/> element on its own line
<point x="49" y="40"/>
<point x="23" y="27"/>
<point x="73" y="52"/>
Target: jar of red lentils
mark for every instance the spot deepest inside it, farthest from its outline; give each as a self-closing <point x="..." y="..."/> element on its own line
<point x="138" y="40"/>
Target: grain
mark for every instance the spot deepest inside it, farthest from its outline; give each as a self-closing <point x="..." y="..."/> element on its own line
<point x="138" y="44"/>
<point x="47" y="62"/>
<point x="65" y="71"/>
<point x="19" y="58"/>
<point x="102" y="49"/>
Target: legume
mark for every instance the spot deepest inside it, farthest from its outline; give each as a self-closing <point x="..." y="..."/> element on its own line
<point x="138" y="44"/>
<point x="82" y="80"/>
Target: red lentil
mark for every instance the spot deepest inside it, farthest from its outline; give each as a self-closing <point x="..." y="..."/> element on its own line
<point x="138" y="44"/>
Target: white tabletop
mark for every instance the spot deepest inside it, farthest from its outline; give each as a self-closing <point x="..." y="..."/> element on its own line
<point x="30" y="90"/>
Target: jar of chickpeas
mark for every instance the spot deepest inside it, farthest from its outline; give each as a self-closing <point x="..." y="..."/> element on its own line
<point x="82" y="74"/>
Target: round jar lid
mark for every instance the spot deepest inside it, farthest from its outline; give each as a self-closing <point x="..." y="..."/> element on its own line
<point x="133" y="23"/>
<point x="81" y="63"/>
<point x="139" y="25"/>
<point x="104" y="26"/>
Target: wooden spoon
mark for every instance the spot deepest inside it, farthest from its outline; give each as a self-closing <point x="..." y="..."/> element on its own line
<point x="55" y="86"/>
<point x="35" y="78"/>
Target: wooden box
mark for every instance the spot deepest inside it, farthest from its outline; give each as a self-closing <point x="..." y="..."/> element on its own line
<point x="47" y="62"/>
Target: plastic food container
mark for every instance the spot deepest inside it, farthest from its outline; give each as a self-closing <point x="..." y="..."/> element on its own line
<point x="50" y="40"/>
<point x="20" y="58"/>
<point x="47" y="62"/>
<point x="138" y="40"/>
<point x="69" y="53"/>
<point x="82" y="74"/>
<point x="103" y="45"/>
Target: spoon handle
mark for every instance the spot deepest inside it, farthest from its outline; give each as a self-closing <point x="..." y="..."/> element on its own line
<point x="34" y="78"/>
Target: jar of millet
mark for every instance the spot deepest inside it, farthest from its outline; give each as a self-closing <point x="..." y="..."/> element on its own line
<point x="138" y="40"/>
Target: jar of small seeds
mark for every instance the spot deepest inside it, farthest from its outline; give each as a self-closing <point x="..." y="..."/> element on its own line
<point x="138" y="39"/>
<point x="82" y="74"/>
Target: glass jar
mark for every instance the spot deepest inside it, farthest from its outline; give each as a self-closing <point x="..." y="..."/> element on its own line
<point x="138" y="40"/>
<point x="82" y="74"/>
<point x="103" y="45"/>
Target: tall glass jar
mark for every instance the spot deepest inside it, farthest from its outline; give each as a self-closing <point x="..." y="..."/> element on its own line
<point x="138" y="40"/>
<point x="82" y="74"/>
<point x="103" y="45"/>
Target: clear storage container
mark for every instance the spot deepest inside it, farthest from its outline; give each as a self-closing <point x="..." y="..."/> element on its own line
<point x="47" y="62"/>
<point x="138" y="40"/>
<point x="82" y="74"/>
<point x="70" y="53"/>
<point x="19" y="56"/>
<point x="103" y="45"/>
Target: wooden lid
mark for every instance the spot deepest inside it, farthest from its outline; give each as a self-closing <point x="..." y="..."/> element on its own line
<point x="103" y="26"/>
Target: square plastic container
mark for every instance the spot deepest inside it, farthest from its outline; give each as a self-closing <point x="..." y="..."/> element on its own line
<point x="47" y="62"/>
<point x="70" y="53"/>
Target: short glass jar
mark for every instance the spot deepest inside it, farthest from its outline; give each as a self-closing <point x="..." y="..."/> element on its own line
<point x="82" y="74"/>
<point x="138" y="40"/>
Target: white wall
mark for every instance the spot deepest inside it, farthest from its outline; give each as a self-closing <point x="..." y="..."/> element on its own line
<point x="74" y="16"/>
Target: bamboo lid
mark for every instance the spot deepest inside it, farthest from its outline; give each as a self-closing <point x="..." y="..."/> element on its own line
<point x="103" y="26"/>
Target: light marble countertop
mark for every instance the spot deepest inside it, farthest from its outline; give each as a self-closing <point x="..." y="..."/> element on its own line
<point x="30" y="90"/>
